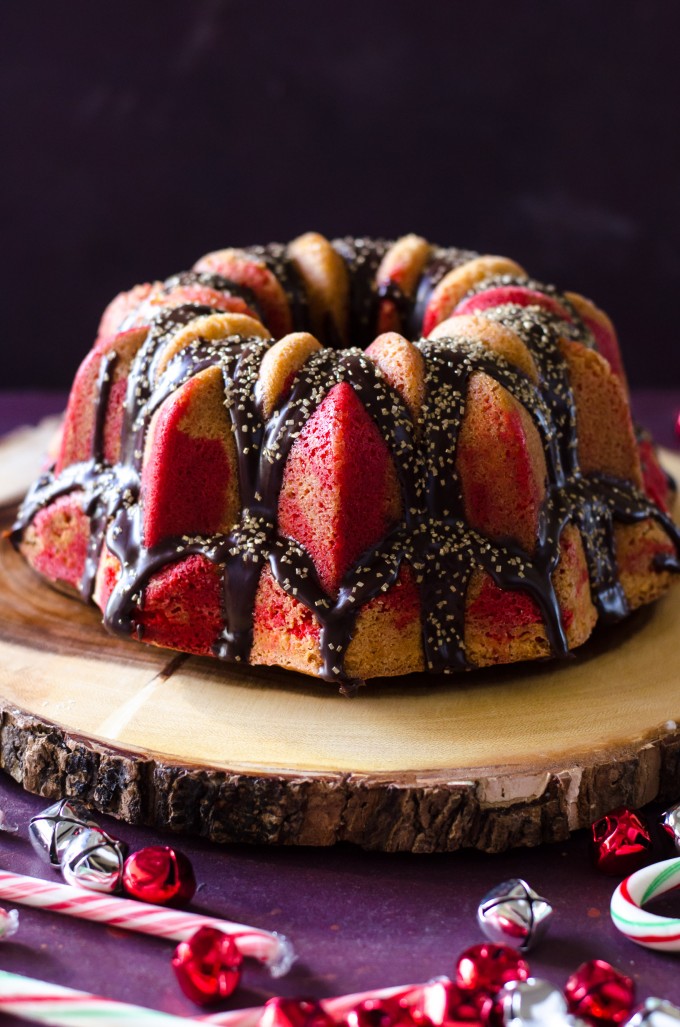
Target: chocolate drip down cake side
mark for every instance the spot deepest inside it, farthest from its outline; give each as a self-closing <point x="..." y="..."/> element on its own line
<point x="353" y="460"/>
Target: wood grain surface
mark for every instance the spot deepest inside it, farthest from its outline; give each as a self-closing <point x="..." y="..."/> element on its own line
<point x="492" y="759"/>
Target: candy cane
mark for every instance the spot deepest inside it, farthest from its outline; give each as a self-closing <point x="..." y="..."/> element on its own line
<point x="648" y="929"/>
<point x="174" y="925"/>
<point x="337" y="1008"/>
<point x="45" y="1003"/>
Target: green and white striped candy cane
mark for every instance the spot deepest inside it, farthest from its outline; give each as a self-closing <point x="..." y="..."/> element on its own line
<point x="40" y="1002"/>
<point x="648" y="929"/>
<point x="43" y="1003"/>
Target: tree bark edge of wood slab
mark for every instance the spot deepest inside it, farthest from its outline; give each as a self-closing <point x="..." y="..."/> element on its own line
<point x="411" y="814"/>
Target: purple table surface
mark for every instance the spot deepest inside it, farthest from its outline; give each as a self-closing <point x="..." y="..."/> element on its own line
<point x="358" y="920"/>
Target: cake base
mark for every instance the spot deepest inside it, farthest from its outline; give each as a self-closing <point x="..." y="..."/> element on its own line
<point x="498" y="758"/>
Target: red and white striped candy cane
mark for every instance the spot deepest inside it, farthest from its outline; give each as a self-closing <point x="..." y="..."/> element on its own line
<point x="337" y="1008"/>
<point x="274" y="950"/>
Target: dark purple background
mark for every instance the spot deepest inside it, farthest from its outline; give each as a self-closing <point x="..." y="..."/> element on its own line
<point x="136" y="136"/>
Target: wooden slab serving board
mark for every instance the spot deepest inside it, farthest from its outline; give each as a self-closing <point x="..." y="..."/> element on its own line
<point x="493" y="759"/>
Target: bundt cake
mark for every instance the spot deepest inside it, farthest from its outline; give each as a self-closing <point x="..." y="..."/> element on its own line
<point x="257" y="464"/>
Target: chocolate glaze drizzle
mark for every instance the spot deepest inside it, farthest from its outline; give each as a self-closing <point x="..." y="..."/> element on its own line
<point x="442" y="260"/>
<point x="274" y="255"/>
<point x="432" y="537"/>
<point x="362" y="258"/>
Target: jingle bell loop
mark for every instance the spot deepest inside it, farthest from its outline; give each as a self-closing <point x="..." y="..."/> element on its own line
<point x="514" y="914"/>
<point x="53" y="830"/>
<point x="94" y="860"/>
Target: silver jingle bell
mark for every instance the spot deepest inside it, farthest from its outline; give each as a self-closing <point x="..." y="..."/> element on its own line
<point x="670" y="821"/>
<point x="94" y="860"/>
<point x="654" y="1012"/>
<point x="52" y="831"/>
<point x="533" y="1003"/>
<point x="513" y="914"/>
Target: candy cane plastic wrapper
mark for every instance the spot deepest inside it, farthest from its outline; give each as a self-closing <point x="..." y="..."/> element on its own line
<point x="274" y="950"/>
<point x="648" y="929"/>
<point x="9" y="923"/>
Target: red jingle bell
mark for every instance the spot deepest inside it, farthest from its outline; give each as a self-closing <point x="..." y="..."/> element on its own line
<point x="445" y="1004"/>
<point x="160" y="875"/>
<point x="207" y="966"/>
<point x="294" y="1012"/>
<point x="487" y="967"/>
<point x="379" y="1012"/>
<point x="600" y="994"/>
<point x="621" y="843"/>
<point x="492" y="1012"/>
